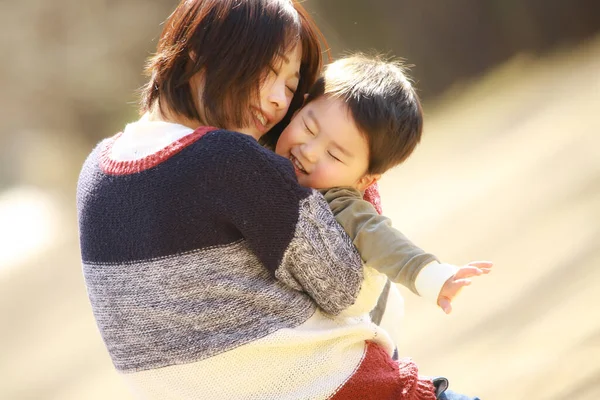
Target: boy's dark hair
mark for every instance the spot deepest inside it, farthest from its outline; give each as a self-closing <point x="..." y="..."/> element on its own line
<point x="233" y="42"/>
<point x="382" y="102"/>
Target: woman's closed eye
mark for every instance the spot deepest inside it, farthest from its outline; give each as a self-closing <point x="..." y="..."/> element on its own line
<point x="291" y="88"/>
<point x="273" y="70"/>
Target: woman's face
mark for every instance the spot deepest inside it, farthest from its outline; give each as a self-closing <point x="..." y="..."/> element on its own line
<point x="276" y="93"/>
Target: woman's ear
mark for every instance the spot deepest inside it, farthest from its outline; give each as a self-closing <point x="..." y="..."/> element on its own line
<point x="366" y="181"/>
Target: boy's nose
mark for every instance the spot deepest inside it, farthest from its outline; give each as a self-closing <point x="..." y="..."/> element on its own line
<point x="309" y="152"/>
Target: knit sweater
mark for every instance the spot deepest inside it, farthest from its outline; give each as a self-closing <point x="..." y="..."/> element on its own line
<point x="212" y="274"/>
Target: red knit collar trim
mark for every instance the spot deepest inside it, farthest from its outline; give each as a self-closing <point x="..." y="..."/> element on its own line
<point x="114" y="167"/>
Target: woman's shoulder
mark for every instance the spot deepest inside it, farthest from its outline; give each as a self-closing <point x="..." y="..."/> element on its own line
<point x="235" y="140"/>
<point x="239" y="151"/>
<point x="234" y="163"/>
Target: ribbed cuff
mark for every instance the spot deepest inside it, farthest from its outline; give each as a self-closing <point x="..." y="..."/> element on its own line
<point x="415" y="387"/>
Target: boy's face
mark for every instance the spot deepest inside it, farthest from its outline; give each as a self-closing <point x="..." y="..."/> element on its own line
<point x="325" y="146"/>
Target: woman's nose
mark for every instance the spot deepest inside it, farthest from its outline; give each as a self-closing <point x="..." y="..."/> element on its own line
<point x="277" y="96"/>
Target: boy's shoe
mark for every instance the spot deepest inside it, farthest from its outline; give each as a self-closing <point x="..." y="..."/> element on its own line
<point x="441" y="384"/>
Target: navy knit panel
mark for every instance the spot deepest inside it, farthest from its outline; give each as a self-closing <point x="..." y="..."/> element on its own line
<point x="218" y="190"/>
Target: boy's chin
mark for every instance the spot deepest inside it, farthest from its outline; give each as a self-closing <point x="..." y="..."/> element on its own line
<point x="303" y="180"/>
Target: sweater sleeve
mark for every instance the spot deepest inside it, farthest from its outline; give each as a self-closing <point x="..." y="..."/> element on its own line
<point x="380" y="245"/>
<point x="290" y="228"/>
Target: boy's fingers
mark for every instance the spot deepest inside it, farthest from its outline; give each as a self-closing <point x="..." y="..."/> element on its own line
<point x="454" y="288"/>
<point x="445" y="305"/>
<point x="463" y="282"/>
<point x="481" y="264"/>
<point x="461" y="279"/>
<point x="468" y="271"/>
<point x="458" y="284"/>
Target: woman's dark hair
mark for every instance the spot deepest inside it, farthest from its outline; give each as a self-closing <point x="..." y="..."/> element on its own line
<point x="232" y="42"/>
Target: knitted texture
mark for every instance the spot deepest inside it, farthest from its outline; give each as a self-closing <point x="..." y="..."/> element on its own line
<point x="206" y="263"/>
<point x="372" y="196"/>
<point x="379" y="377"/>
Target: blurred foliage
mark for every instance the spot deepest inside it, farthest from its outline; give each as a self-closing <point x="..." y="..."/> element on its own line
<point x="448" y="41"/>
<point x="71" y="69"/>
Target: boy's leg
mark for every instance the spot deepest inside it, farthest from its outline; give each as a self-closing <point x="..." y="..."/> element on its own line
<point x="450" y="395"/>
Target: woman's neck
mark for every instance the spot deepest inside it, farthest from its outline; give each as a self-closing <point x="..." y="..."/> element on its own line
<point x="166" y="115"/>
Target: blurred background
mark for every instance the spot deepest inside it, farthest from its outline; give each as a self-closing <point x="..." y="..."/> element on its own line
<point x="508" y="170"/>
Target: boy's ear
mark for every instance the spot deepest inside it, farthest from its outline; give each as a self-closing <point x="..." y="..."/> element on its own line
<point x="366" y="181"/>
<point x="304" y="99"/>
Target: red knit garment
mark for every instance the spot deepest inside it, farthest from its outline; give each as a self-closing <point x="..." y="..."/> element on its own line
<point x="372" y="196"/>
<point x="113" y="167"/>
<point x="381" y="378"/>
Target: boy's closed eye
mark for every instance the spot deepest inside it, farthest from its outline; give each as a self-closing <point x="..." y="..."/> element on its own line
<point x="334" y="157"/>
<point x="307" y="128"/>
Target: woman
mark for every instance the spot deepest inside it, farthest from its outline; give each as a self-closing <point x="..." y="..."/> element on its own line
<point x="212" y="274"/>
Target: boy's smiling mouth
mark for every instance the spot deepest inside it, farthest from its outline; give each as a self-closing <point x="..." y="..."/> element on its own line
<point x="297" y="164"/>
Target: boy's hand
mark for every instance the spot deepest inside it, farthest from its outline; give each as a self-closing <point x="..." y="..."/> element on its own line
<point x="459" y="280"/>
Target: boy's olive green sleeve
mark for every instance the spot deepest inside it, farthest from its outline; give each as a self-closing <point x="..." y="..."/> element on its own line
<point x="380" y="245"/>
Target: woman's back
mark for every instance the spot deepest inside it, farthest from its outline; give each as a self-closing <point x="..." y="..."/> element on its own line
<point x="179" y="292"/>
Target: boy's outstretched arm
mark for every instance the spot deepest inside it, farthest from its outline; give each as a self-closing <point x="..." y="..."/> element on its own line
<point x="388" y="251"/>
<point x="384" y="248"/>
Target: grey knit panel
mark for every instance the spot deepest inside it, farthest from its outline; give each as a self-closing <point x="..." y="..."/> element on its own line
<point x="185" y="308"/>
<point x="321" y="259"/>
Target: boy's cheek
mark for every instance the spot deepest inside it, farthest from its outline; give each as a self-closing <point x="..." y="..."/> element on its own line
<point x="324" y="180"/>
<point x="281" y="147"/>
<point x="284" y="144"/>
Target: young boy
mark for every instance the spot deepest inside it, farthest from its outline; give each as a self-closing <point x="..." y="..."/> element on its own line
<point x="361" y="118"/>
